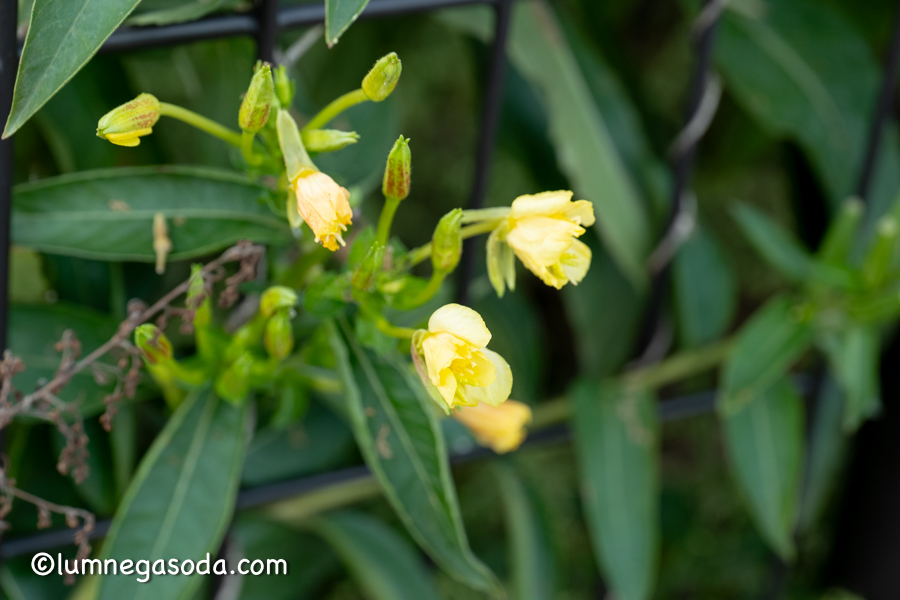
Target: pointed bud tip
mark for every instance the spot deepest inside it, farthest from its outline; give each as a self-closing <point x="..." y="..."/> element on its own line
<point x="397" y="172"/>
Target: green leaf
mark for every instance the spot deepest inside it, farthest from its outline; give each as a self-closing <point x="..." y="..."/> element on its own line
<point x="398" y="434"/>
<point x="166" y="12"/>
<point x="769" y="343"/>
<point x="62" y="36"/>
<point x="853" y="355"/>
<point x="616" y="437"/>
<point x="828" y="447"/>
<point x="339" y="15"/>
<point x="804" y="72"/>
<point x="705" y="290"/>
<point x="605" y="338"/>
<point x="382" y="563"/>
<point x="311" y="563"/>
<point x="320" y="442"/>
<point x="182" y="497"/>
<point x="778" y="247"/>
<point x="529" y="542"/>
<point x="108" y="214"/>
<point x="584" y="147"/>
<point x="33" y="334"/>
<point x="27" y="284"/>
<point x="765" y="446"/>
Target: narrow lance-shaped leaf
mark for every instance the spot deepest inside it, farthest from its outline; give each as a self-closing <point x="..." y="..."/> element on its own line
<point x="616" y="435"/>
<point x="62" y="36"/>
<point x="108" y="214"/>
<point x="398" y="434"/>
<point x="583" y="144"/>
<point x="181" y="499"/>
<point x="765" y="447"/>
<point x="528" y="541"/>
<point x="382" y="563"/>
<point x="853" y="355"/>
<point x="766" y="348"/>
<point x="705" y="290"/>
<point x="339" y="15"/>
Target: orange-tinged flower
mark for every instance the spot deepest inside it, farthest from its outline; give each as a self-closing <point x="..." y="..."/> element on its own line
<point x="501" y="428"/>
<point x="325" y="207"/>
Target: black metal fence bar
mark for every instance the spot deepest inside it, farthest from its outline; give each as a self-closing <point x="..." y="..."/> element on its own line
<point x="9" y="10"/>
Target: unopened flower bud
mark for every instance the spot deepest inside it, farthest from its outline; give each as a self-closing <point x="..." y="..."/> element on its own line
<point x="366" y="271"/>
<point x="155" y="347"/>
<point x="328" y="140"/>
<point x="446" y="243"/>
<point x="126" y="124"/>
<point x="276" y="298"/>
<point x="198" y="298"/>
<point x="284" y="87"/>
<point x="279" y="338"/>
<point x="257" y="102"/>
<point x="397" y="172"/>
<point x="234" y="382"/>
<point x="382" y="79"/>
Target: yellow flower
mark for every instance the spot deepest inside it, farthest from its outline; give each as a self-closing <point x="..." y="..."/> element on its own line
<point x="541" y="230"/>
<point x="126" y="124"/>
<point x="456" y="362"/>
<point x="501" y="428"/>
<point x="324" y="205"/>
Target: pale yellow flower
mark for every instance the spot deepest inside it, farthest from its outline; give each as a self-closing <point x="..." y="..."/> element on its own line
<point x="501" y="428"/>
<point x="125" y="125"/>
<point x="542" y="230"/>
<point x="324" y="205"/>
<point x="456" y="362"/>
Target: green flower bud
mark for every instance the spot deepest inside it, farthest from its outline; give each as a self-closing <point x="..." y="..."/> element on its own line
<point x="446" y="243"/>
<point x="296" y="159"/>
<point x="155" y="347"/>
<point x="284" y="87"/>
<point x="367" y="269"/>
<point x="279" y="338"/>
<point x="397" y="172"/>
<point x="198" y="299"/>
<point x="276" y="298"/>
<point x="257" y="102"/>
<point x="126" y="124"/>
<point x="842" y="232"/>
<point x="234" y="382"/>
<point x="328" y="140"/>
<point x="382" y="79"/>
<point x="878" y="260"/>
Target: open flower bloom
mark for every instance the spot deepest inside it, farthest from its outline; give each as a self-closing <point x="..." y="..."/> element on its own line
<point x="324" y="205"/>
<point x="451" y="356"/>
<point x="501" y="428"/>
<point x="542" y="230"/>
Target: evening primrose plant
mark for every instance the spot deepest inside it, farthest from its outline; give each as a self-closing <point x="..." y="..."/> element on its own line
<point x="450" y="354"/>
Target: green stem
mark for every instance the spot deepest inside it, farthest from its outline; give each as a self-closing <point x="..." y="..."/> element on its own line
<point x="485" y="214"/>
<point x="201" y="123"/>
<point x="252" y="158"/>
<point x="434" y="284"/>
<point x="420" y="254"/>
<point x="336" y="107"/>
<point x="392" y="330"/>
<point x="385" y="220"/>
<point x="679" y="366"/>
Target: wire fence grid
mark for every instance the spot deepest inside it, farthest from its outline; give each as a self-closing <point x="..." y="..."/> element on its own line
<point x="264" y="24"/>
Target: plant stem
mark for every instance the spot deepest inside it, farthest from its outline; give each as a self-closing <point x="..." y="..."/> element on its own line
<point x="434" y="284"/>
<point x="252" y="158"/>
<point x="392" y="330"/>
<point x="385" y="220"/>
<point x="336" y="107"/>
<point x="201" y="123"/>
<point x="679" y="366"/>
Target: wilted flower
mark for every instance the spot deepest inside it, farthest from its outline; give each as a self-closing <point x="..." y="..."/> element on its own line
<point x="456" y="362"/>
<point x="322" y="203"/>
<point x="501" y="428"/>
<point x="542" y="230"/>
<point x="126" y="124"/>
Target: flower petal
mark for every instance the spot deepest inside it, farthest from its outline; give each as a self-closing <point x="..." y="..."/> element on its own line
<point x="462" y="322"/>
<point x="497" y="392"/>
<point x="501" y="264"/>
<point x="580" y="212"/>
<point x="542" y="239"/>
<point x="576" y="261"/>
<point x="540" y="205"/>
